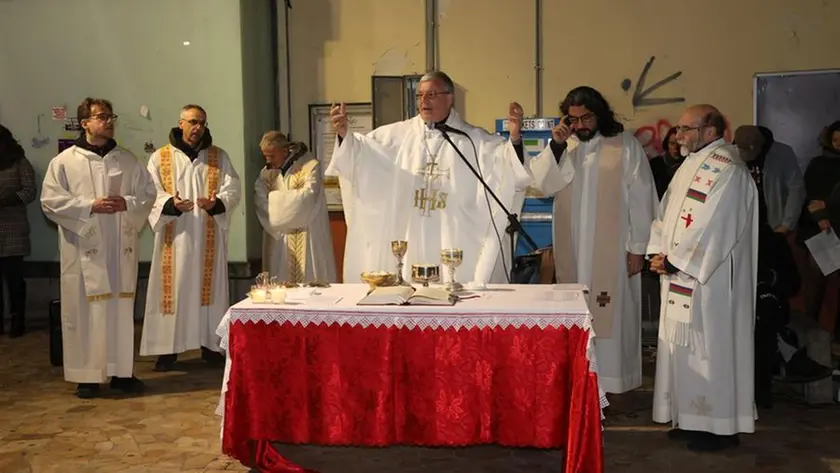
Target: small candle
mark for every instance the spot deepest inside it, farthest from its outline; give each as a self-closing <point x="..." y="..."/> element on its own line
<point x="278" y="295"/>
<point x="258" y="295"/>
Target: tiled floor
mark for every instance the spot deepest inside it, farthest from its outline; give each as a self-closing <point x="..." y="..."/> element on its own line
<point x="44" y="428"/>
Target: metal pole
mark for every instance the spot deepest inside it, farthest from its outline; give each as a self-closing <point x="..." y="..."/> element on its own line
<point x="538" y="55"/>
<point x="431" y="35"/>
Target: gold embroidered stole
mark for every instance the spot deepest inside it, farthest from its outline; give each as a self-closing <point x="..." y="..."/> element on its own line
<point x="604" y="286"/>
<point x="296" y="239"/>
<point x="168" y="258"/>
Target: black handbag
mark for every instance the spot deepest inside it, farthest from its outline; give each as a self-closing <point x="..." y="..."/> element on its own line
<point x="536" y="267"/>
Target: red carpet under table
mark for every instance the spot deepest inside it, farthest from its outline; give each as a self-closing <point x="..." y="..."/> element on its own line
<point x="378" y="386"/>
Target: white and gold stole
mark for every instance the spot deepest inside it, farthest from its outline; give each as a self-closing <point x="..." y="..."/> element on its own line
<point x="168" y="258"/>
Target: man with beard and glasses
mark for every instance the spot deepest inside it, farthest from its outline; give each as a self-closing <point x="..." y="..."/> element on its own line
<point x="197" y="190"/>
<point x="604" y="202"/>
<point x="99" y="195"/>
<point x="705" y="242"/>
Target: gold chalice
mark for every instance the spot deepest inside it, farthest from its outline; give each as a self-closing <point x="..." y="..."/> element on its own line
<point x="399" y="249"/>
<point x="425" y="273"/>
<point x="452" y="258"/>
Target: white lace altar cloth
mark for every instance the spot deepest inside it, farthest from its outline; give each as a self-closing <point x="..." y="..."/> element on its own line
<point x="500" y="305"/>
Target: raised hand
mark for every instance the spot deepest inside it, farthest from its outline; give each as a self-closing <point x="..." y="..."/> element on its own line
<point x="338" y="116"/>
<point x="561" y="132"/>
<point x="181" y="204"/>
<point x="515" y="116"/>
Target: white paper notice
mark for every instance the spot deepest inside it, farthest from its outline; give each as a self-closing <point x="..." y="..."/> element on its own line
<point x="825" y="248"/>
<point x="114" y="184"/>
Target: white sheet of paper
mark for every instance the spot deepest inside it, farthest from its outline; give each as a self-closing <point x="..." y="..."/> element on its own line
<point x="825" y="248"/>
<point x="114" y="184"/>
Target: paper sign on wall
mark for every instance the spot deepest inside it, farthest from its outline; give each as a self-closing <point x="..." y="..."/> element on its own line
<point x="59" y="113"/>
<point x="72" y="124"/>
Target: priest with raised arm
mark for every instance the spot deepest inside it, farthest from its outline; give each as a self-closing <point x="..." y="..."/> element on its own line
<point x="404" y="181"/>
<point x="604" y="202"/>
<point x="99" y="195"/>
<point x="197" y="190"/>
<point x="292" y="209"/>
<point x="705" y="246"/>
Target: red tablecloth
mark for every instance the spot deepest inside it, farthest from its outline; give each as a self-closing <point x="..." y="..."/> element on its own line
<point x="337" y="384"/>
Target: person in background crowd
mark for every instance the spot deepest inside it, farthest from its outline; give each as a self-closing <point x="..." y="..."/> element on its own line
<point x="775" y="170"/>
<point x="17" y="190"/>
<point x="821" y="178"/>
<point x="775" y="344"/>
<point x="663" y="167"/>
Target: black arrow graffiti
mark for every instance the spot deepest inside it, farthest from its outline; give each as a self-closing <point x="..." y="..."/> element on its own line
<point x="640" y="97"/>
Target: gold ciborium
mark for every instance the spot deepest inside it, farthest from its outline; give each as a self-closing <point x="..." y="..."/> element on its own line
<point x="376" y="279"/>
<point x="452" y="258"/>
<point x="425" y="273"/>
<point x="399" y="249"/>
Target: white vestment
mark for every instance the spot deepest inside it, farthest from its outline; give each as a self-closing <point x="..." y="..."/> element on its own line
<point x="98" y="258"/>
<point x="704" y="373"/>
<point x="188" y="282"/>
<point x="403" y="181"/>
<point x="619" y="354"/>
<point x="292" y="209"/>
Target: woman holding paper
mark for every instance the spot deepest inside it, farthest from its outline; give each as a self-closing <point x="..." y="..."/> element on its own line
<point x="821" y="178"/>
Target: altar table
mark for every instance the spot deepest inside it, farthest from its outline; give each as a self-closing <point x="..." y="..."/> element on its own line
<point x="515" y="367"/>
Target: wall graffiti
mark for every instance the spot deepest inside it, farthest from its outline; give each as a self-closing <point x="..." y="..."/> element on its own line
<point x="651" y="136"/>
<point x="641" y="93"/>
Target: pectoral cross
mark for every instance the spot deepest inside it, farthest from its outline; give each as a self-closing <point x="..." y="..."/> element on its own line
<point x="603" y="299"/>
<point x="687" y="218"/>
<point x="429" y="198"/>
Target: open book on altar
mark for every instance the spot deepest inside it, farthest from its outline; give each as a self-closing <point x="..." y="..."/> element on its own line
<point x="407" y="295"/>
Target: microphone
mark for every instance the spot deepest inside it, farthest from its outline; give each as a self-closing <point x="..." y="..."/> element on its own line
<point x="444" y="128"/>
<point x="514" y="225"/>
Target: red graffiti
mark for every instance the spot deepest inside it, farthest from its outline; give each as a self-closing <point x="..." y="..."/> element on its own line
<point x="651" y="136"/>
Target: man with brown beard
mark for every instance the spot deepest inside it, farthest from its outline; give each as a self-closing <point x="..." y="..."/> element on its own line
<point x="604" y="203"/>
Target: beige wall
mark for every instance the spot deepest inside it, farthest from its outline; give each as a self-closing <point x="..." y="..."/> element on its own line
<point x="487" y="46"/>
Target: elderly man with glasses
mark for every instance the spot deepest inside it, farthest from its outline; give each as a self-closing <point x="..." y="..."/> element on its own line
<point x="404" y="181"/>
<point x="704" y="243"/>
<point x="197" y="190"/>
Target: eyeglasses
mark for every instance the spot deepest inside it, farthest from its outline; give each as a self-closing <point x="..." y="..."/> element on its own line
<point x="686" y="129"/>
<point x="429" y="95"/>
<point x="197" y="123"/>
<point x="105" y="117"/>
<point x="584" y="118"/>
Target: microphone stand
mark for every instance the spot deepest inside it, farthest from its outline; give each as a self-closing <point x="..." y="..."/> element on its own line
<point x="514" y="225"/>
